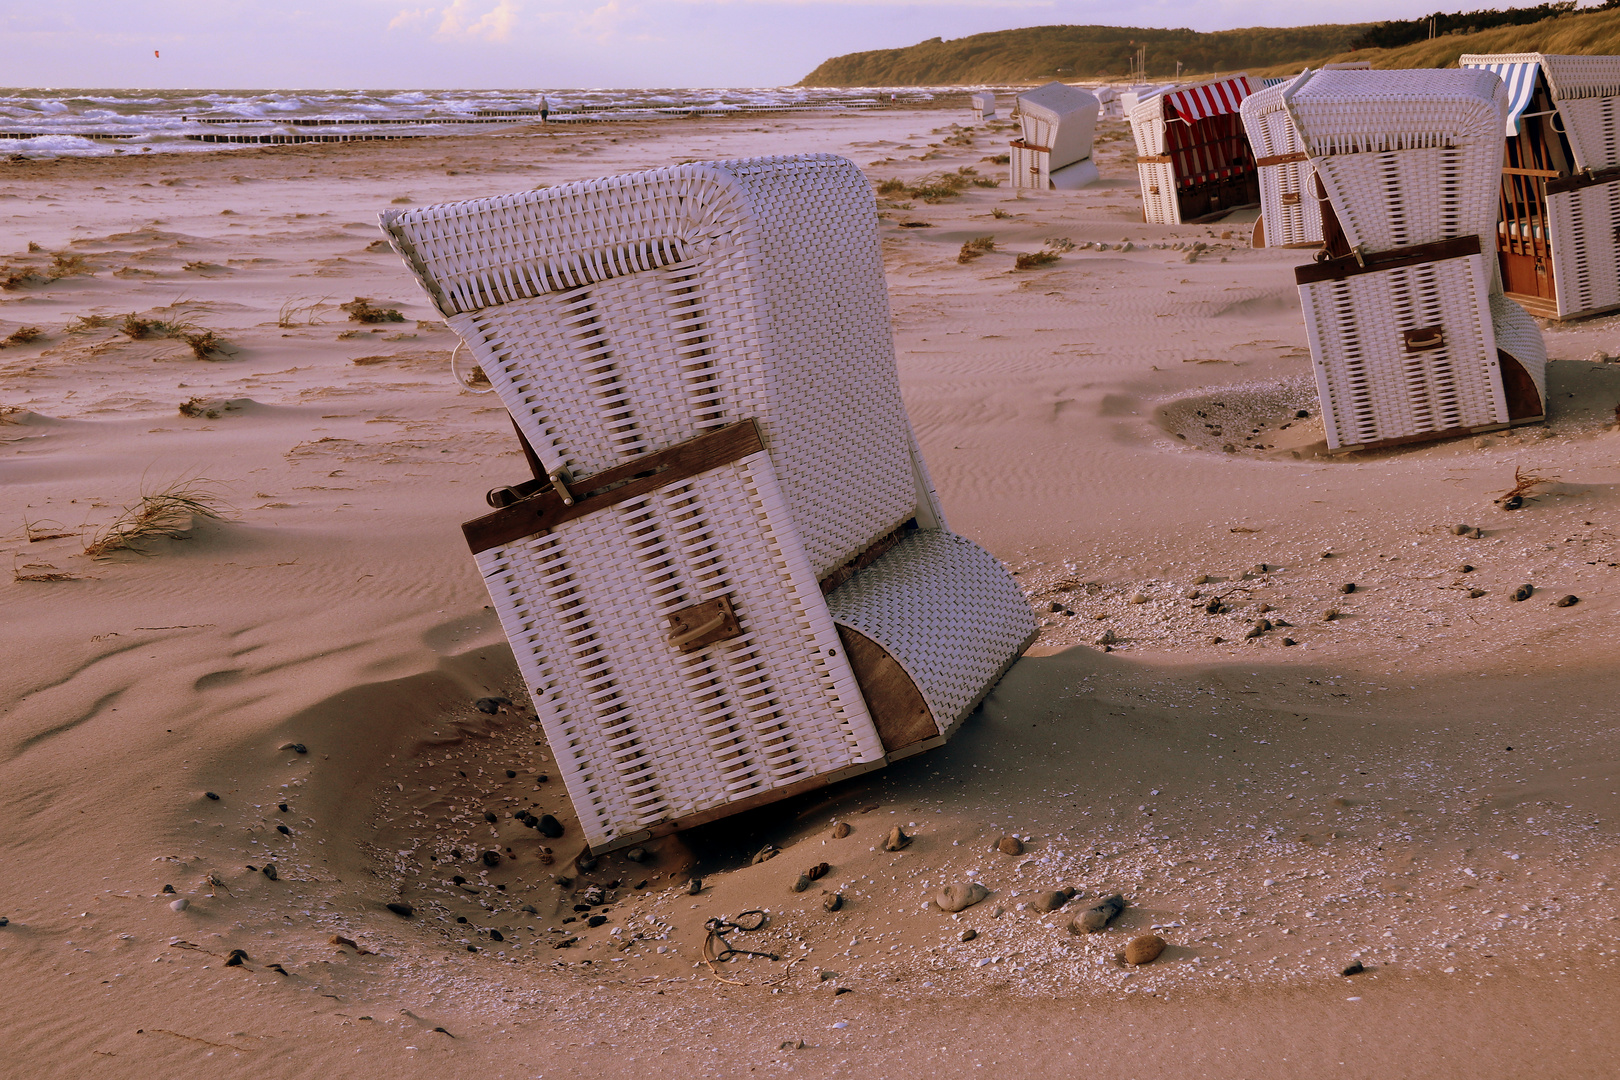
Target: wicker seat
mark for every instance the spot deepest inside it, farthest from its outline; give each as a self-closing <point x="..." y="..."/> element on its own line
<point x="1054" y="151"/>
<point x="1192" y="156"/>
<point x="1560" y="188"/>
<point x="1409" y="335"/>
<point x="729" y="580"/>
<point x="983" y="105"/>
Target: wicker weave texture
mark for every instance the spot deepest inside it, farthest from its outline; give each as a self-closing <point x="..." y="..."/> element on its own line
<point x="1288" y="202"/>
<point x="1371" y="388"/>
<point x="1586" y="254"/>
<point x="1358" y="112"/>
<point x="910" y="602"/>
<point x="1593" y="127"/>
<point x="624" y="315"/>
<point x="1159" y="203"/>
<point x="1574" y="77"/>
<point x="1028" y="167"/>
<point x="643" y="732"/>
<point x="1517" y="334"/>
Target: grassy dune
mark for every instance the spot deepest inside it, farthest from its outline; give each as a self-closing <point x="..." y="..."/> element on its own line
<point x="1074" y="53"/>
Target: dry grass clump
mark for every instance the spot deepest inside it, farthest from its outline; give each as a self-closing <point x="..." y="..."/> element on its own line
<point x="1034" y="260"/>
<point x="301" y="308"/>
<point x="8" y="413"/>
<point x="63" y="264"/>
<point x="23" y="335"/>
<point x="86" y="323"/>
<point x="362" y="310"/>
<point x="38" y="572"/>
<point x="972" y="249"/>
<point x="935" y="187"/>
<point x="204" y="343"/>
<point x="998" y="213"/>
<point x="1525" y="484"/>
<point x="959" y="137"/>
<point x="166" y="512"/>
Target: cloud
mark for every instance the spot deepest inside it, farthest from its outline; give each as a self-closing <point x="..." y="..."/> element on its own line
<point x="457" y="21"/>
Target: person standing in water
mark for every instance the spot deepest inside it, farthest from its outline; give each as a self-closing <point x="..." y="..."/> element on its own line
<point x="545" y="108"/>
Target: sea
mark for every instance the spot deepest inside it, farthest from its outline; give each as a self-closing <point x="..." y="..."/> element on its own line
<point x="39" y="123"/>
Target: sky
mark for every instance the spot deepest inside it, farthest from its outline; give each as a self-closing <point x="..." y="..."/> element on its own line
<point x="498" y="44"/>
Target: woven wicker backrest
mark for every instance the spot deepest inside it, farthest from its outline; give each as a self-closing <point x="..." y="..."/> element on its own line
<point x="1061" y="118"/>
<point x="1270" y="129"/>
<point x="1406" y="157"/>
<point x="621" y="316"/>
<point x="1587" y="90"/>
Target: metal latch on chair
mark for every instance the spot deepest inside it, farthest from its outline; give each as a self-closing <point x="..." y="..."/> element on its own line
<point x="701" y="625"/>
<point x="1290" y="198"/>
<point x="1424" y="338"/>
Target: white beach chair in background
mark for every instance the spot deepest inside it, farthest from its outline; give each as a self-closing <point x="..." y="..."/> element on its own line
<point x="1410" y="336"/>
<point x="1557" y="238"/>
<point x="1058" y="123"/>
<point x="1290" y="210"/>
<point x="730" y="580"/>
<point x="984" y="106"/>
<point x="1192" y="156"/>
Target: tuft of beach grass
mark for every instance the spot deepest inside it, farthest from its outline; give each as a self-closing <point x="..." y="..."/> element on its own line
<point x="168" y="511"/>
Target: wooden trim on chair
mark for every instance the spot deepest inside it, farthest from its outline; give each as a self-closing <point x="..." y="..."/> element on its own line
<point x="546" y="510"/>
<point x="1350" y="266"/>
<point x="1582" y="180"/>
<point x="1281" y="159"/>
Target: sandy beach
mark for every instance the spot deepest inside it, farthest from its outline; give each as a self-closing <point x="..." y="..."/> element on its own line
<point x="1424" y="783"/>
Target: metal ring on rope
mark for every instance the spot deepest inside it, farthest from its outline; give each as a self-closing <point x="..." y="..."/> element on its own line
<point x="465" y="385"/>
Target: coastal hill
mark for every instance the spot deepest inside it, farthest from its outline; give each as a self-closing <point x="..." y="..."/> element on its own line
<point x="1075" y="53"/>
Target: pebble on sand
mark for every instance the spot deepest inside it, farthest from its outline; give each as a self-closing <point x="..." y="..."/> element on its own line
<point x="404" y="911"/>
<point x="766" y="854"/>
<point x="968" y="935"/>
<point x="269" y="871"/>
<point x="488" y="705"/>
<point x="694" y="886"/>
<point x="179" y="905"/>
<point x="817" y="872"/>
<point x="800" y="883"/>
<point x="550" y="827"/>
<point x="1523" y="592"/>
<point x="832" y="901"/>
<point x="1355" y="968"/>
<point x="1144" y="949"/>
<point x="896" y="839"/>
<point x="1010" y="845"/>
<point x="491" y="858"/>
<point x="636" y="855"/>
<point x="1047" y="902"/>
<point x="1097" y="919"/>
<point x="840" y="830"/>
<point x="1567" y="601"/>
<point x="1348" y="587"/>
<point x="210" y="796"/>
<point x="959" y="896"/>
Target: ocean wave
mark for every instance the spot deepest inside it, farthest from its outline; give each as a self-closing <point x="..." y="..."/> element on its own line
<point x="72" y="122"/>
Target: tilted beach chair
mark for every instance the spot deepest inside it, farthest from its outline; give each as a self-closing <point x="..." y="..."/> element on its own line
<point x="984" y="105"/>
<point x="1410" y="336"/>
<point x="1557" y="238"/>
<point x="1192" y="156"/>
<point x="1054" y="151"/>
<point x="1290" y="213"/>
<point x="730" y="580"/>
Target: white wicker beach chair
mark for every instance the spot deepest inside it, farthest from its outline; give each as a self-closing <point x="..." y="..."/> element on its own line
<point x="984" y="105"/>
<point x="730" y="580"/>
<point x="1560" y="189"/>
<point x="1290" y="213"/>
<point x="1192" y="156"/>
<point x="1409" y="337"/>
<point x="1058" y="123"/>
